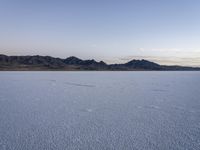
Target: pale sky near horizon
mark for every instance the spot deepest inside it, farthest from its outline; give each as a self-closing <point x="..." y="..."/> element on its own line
<point x="164" y="31"/>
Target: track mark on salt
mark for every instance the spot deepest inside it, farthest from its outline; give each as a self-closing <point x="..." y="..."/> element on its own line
<point x="77" y="84"/>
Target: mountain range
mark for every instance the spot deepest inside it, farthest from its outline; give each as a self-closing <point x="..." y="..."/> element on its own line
<point x="36" y="62"/>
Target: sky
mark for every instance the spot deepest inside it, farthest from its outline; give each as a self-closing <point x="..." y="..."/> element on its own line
<point x="115" y="31"/>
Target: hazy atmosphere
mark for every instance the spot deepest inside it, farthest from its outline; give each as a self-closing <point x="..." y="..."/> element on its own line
<point x="115" y="31"/>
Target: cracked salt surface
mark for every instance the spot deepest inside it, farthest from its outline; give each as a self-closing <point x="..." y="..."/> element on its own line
<point x="99" y="110"/>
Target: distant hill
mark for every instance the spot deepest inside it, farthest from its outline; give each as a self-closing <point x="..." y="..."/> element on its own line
<point x="73" y="63"/>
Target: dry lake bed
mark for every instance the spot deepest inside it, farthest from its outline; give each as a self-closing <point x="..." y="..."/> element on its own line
<point x="99" y="110"/>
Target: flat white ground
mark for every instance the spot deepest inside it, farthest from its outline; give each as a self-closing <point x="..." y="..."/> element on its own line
<point x="99" y="110"/>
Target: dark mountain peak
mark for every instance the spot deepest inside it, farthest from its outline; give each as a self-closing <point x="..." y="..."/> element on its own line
<point x="89" y="62"/>
<point x="102" y="63"/>
<point x="2" y="55"/>
<point x="143" y="64"/>
<point x="72" y="60"/>
<point x="92" y="62"/>
<point x="134" y="61"/>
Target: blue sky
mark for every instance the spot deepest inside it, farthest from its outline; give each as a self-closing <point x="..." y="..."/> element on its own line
<point x="165" y="31"/>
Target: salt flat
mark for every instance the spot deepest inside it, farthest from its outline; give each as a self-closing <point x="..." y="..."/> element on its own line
<point x="99" y="110"/>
